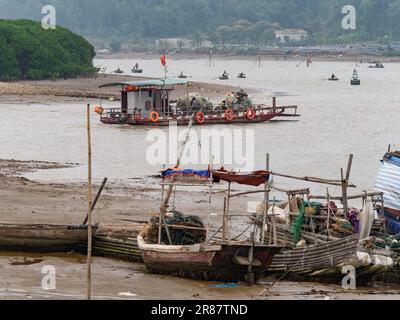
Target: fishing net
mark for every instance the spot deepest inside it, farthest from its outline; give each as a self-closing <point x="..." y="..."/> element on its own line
<point x="195" y="103"/>
<point x="179" y="236"/>
<point x="298" y="224"/>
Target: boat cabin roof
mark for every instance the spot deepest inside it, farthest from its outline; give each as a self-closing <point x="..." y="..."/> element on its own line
<point x="147" y="83"/>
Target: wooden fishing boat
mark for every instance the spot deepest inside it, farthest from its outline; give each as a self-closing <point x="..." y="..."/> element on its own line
<point x="119" y="71"/>
<point x="136" y="69"/>
<point x="242" y="75"/>
<point x="377" y="66"/>
<point x="211" y="257"/>
<point x="41" y="237"/>
<point x="183" y="76"/>
<point x="147" y="103"/>
<point x="215" y="261"/>
<point x="308" y="259"/>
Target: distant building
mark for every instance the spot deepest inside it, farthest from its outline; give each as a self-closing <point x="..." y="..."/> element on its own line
<point x="173" y="42"/>
<point x="291" y="35"/>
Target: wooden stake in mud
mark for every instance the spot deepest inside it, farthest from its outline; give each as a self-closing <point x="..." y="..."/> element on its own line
<point x="266" y="202"/>
<point x="345" y="184"/>
<point x="90" y="230"/>
<point x="103" y="184"/>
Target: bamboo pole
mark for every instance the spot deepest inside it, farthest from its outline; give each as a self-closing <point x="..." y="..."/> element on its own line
<point x="328" y="198"/>
<point x="164" y="206"/>
<point x="224" y="222"/>
<point x="352" y="197"/>
<point x="227" y="213"/>
<point x="266" y="201"/>
<point x="313" y="179"/>
<point x="90" y="230"/>
<point x="95" y="200"/>
<point x="345" y="183"/>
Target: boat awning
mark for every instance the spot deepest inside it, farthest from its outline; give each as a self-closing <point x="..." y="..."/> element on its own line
<point x="147" y="83"/>
<point x="255" y="178"/>
<point x="388" y="180"/>
<point x="202" y="174"/>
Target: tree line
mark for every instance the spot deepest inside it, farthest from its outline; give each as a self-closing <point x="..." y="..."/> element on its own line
<point x="27" y="51"/>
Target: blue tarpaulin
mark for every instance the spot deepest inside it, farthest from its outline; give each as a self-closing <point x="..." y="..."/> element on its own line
<point x="388" y="181"/>
<point x="392" y="223"/>
<point x="187" y="172"/>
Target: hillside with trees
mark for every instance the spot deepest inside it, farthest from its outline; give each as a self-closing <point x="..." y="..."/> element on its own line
<point x="27" y="51"/>
<point x="231" y="21"/>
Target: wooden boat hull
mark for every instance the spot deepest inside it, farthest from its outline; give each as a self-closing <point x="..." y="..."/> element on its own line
<point x="211" y="262"/>
<point x="184" y="121"/>
<point x="317" y="257"/>
<point x="41" y="238"/>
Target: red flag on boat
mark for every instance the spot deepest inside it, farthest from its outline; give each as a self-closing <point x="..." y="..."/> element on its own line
<point x="163" y="60"/>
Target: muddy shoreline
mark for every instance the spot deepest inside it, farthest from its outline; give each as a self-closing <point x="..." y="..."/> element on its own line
<point x="83" y="89"/>
<point x="27" y="201"/>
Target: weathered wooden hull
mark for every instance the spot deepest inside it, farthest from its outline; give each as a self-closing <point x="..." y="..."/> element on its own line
<point x="41" y="238"/>
<point x="317" y="257"/>
<point x="214" y="262"/>
<point x="184" y="121"/>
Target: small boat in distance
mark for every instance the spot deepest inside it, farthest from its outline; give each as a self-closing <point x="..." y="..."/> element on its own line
<point x="242" y="75"/>
<point x="377" y="65"/>
<point x="225" y="76"/>
<point x="333" y="78"/>
<point x="119" y="71"/>
<point x="136" y="69"/>
<point x="355" y="80"/>
<point x="183" y="76"/>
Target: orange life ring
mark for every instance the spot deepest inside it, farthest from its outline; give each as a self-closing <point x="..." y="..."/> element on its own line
<point x="154" y="117"/>
<point x="99" y="110"/>
<point x="229" y="115"/>
<point x="250" y="113"/>
<point x="130" y="88"/>
<point x="200" y="117"/>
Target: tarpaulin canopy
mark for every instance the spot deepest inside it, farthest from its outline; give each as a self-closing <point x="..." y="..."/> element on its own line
<point x="202" y="174"/>
<point x="388" y="180"/>
<point x="255" y="178"/>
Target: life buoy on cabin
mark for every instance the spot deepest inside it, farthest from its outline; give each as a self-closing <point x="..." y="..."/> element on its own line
<point x="99" y="110"/>
<point x="250" y="113"/>
<point x="154" y="117"/>
<point x="229" y="115"/>
<point x="200" y="117"/>
<point x="130" y="88"/>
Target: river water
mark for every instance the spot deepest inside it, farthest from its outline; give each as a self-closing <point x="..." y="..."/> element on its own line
<point x="336" y="119"/>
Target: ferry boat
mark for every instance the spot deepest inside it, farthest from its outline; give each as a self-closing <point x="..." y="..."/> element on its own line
<point x="148" y="103"/>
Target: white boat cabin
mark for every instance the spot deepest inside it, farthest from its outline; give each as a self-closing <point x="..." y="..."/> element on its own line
<point x="146" y="96"/>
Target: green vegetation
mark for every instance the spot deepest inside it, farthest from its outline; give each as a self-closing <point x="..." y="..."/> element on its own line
<point x="29" y="52"/>
<point x="226" y="21"/>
